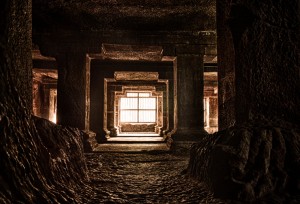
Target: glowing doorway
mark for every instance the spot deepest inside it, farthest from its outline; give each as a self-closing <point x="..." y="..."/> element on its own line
<point x="138" y="107"/>
<point x="138" y="111"/>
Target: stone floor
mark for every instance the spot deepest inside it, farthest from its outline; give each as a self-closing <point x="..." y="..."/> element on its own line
<point x="142" y="178"/>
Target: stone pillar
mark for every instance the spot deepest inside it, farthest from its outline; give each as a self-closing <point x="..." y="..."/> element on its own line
<point x="71" y="89"/>
<point x="264" y="48"/>
<point x="190" y="125"/>
<point x="15" y="38"/>
<point x="226" y="67"/>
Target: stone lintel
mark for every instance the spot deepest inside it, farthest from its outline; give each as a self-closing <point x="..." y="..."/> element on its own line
<point x="135" y="76"/>
<point x="132" y="52"/>
<point x="90" y="41"/>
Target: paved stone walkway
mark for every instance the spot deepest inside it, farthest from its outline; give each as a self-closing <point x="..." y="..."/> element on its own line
<point x="142" y="178"/>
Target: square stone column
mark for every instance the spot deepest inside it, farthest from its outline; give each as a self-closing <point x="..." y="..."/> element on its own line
<point x="15" y="47"/>
<point x="258" y="61"/>
<point x="190" y="125"/>
<point x="71" y="89"/>
<point x="226" y="68"/>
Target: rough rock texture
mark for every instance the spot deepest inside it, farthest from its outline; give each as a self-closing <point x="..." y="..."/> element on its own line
<point x="154" y="178"/>
<point x="33" y="169"/>
<point x="37" y="165"/>
<point x="226" y="67"/>
<point x="264" y="64"/>
<point x="65" y="147"/>
<point x="15" y="35"/>
<point x="40" y="163"/>
<point x="256" y="154"/>
<point x="258" y="161"/>
<point x="268" y="85"/>
<point x="124" y="14"/>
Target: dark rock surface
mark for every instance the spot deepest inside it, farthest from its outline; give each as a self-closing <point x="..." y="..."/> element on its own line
<point x="71" y="84"/>
<point x="256" y="154"/>
<point x="142" y="178"/>
<point x="258" y="161"/>
<point x="124" y="14"/>
<point x="65" y="147"/>
<point x="258" y="54"/>
<point x="226" y="67"/>
<point x="39" y="161"/>
<point x="15" y="47"/>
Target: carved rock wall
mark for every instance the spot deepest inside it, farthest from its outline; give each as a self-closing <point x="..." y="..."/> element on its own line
<point x="253" y="162"/>
<point x="124" y="14"/>
<point x="226" y="67"/>
<point x="15" y="35"/>
<point x="40" y="162"/>
<point x="265" y="38"/>
<point x="256" y="155"/>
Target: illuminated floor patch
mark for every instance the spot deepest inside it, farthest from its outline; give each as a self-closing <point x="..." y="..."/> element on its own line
<point x="137" y="147"/>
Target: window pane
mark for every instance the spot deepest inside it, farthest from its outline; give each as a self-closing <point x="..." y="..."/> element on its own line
<point x="128" y="116"/>
<point x="129" y="103"/>
<point x="138" y="107"/>
<point x="147" y="103"/>
<point x="130" y="94"/>
<point x="144" y="94"/>
<point x="148" y="116"/>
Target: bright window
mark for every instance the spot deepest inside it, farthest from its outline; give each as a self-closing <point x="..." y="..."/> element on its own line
<point x="138" y="107"/>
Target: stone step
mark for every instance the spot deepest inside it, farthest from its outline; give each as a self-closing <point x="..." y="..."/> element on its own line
<point x="132" y="148"/>
<point x="138" y="135"/>
<point x="135" y="139"/>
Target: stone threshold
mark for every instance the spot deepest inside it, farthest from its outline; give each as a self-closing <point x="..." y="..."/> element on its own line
<point x="138" y="135"/>
<point x="132" y="148"/>
<point x="135" y="139"/>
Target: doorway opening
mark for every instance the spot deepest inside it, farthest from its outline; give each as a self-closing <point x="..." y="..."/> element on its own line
<point x="210" y="90"/>
<point x="210" y="102"/>
<point x="44" y="86"/>
<point x="138" y="113"/>
<point x="138" y="107"/>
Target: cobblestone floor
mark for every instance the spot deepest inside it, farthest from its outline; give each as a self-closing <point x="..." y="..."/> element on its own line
<point x="142" y="178"/>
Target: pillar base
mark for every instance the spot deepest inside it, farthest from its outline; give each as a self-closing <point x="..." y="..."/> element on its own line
<point x="89" y="141"/>
<point x="184" y="138"/>
<point x="189" y="134"/>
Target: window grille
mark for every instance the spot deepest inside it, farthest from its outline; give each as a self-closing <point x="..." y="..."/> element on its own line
<point x="138" y="107"/>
